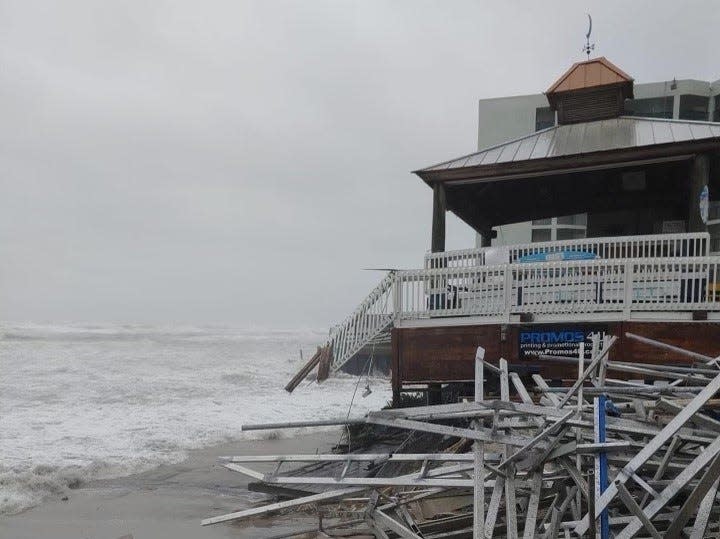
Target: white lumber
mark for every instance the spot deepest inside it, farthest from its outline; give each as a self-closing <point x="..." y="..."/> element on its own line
<point x="532" y="508"/>
<point x="510" y="507"/>
<point x="279" y="506"/>
<point x="652" y="446"/>
<point x="703" y="516"/>
<point x="479" y="452"/>
<point x="677" y="484"/>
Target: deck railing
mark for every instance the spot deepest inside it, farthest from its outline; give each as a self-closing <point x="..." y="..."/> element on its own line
<point x="373" y="316"/>
<point x="648" y="246"/>
<point x="582" y="286"/>
<point x="637" y="273"/>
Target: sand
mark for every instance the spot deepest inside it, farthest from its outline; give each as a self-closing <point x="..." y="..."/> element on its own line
<point x="167" y="502"/>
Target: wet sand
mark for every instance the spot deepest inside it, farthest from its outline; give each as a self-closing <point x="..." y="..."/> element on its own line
<point x="167" y="502"/>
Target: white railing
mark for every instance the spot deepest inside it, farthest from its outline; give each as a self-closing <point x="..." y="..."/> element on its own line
<point x="638" y="273"/>
<point x="456" y="259"/>
<point x="446" y="292"/>
<point x="583" y="286"/>
<point x="648" y="246"/>
<point x="373" y="316"/>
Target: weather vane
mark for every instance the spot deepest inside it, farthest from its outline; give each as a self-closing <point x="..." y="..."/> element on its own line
<point x="588" y="46"/>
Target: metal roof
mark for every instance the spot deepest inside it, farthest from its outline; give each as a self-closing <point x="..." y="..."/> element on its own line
<point x="589" y="137"/>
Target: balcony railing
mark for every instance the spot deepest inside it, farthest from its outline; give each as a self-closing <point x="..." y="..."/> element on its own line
<point x="649" y="246"/>
<point x="581" y="286"/>
<point x="630" y="274"/>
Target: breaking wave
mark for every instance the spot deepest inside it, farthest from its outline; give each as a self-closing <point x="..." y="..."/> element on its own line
<point x="97" y="401"/>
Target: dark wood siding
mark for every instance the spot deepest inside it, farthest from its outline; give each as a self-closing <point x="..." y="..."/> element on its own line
<point x="445" y="354"/>
<point x="701" y="337"/>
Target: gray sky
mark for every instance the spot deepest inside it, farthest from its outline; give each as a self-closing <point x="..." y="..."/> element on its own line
<point x="240" y="162"/>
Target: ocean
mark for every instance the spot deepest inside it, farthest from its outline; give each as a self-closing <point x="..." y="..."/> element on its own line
<point x="83" y="402"/>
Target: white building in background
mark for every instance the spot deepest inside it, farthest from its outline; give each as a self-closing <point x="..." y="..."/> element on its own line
<point x="504" y="118"/>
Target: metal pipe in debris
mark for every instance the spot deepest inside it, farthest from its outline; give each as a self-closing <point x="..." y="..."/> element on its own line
<point x="639" y="368"/>
<point x="648" y="365"/>
<point x="670" y="347"/>
<point x="628" y="389"/>
<point x="301" y="424"/>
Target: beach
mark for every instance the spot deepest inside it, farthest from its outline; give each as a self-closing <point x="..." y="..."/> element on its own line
<point x="127" y="422"/>
<point x="167" y="502"/>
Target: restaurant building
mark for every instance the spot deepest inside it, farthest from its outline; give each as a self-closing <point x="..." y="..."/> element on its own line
<point x="506" y="118"/>
<point x="630" y="272"/>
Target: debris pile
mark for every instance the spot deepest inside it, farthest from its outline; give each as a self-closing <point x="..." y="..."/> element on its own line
<point x="601" y="456"/>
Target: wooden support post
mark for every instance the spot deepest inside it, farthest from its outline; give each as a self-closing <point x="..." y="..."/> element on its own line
<point x="395" y="375"/>
<point x="438" y="298"/>
<point x="486" y="236"/>
<point x="434" y="394"/>
<point x="324" y="363"/>
<point x="302" y="373"/>
<point x="699" y="179"/>
<point x="437" y="244"/>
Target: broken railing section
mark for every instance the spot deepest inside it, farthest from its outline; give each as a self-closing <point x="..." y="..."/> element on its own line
<point x="372" y="319"/>
<point x="597" y="457"/>
<point x="321" y="359"/>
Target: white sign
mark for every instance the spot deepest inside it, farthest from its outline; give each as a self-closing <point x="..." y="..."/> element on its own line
<point x="497" y="255"/>
<point x="704" y="204"/>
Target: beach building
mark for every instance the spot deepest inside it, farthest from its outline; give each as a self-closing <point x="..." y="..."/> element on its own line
<point x="506" y="118"/>
<point x="645" y="263"/>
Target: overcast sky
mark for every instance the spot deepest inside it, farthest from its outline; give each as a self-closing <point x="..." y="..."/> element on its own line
<point x="240" y="162"/>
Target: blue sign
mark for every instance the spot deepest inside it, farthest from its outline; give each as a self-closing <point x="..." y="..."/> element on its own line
<point x="704" y="204"/>
<point x="546" y="337"/>
<point x="557" y="256"/>
<point x="557" y="339"/>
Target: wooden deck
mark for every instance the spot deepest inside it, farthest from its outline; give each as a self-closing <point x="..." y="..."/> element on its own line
<point x="660" y="286"/>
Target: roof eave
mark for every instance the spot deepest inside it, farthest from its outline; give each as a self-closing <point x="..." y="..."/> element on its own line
<point x="559" y="164"/>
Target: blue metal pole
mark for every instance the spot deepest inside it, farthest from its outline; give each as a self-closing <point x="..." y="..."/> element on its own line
<point x="604" y="519"/>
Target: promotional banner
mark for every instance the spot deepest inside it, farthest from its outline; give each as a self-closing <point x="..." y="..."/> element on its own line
<point x="557" y="339"/>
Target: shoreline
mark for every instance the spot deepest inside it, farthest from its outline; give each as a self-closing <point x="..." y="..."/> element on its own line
<point x="167" y="501"/>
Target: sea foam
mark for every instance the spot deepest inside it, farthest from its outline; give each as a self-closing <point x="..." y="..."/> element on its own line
<point x="87" y="402"/>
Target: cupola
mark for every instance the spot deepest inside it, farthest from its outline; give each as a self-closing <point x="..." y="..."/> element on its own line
<point x="592" y="90"/>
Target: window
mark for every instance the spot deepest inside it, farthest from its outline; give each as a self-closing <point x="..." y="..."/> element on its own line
<point x="544" y="118"/>
<point x="694" y="107"/>
<point x="716" y="112"/>
<point x="714" y="244"/>
<point x="714" y="211"/>
<point x="578" y="220"/>
<point x="714" y="231"/>
<point x="541" y="234"/>
<point x="570" y="233"/>
<point x="650" y="107"/>
<point x="542" y="221"/>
